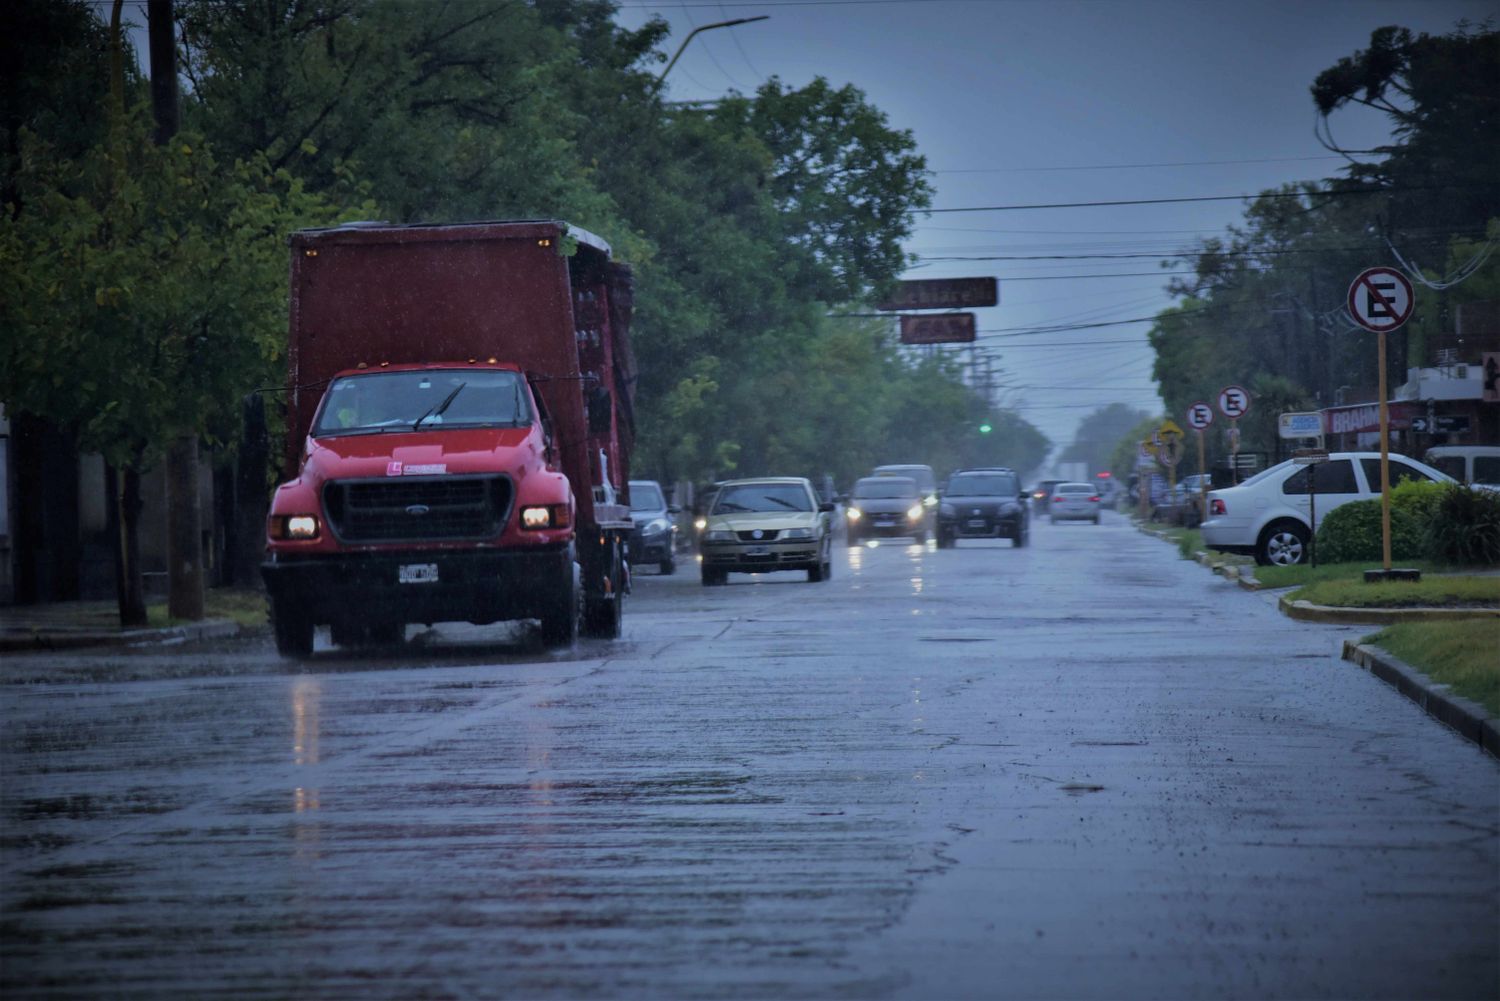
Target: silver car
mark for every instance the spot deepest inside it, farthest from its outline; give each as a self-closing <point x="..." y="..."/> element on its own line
<point x="1074" y="502"/>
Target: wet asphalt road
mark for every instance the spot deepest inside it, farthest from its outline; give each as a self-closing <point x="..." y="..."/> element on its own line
<point x="1081" y="769"/>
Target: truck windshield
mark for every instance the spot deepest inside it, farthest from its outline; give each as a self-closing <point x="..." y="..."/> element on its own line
<point x="395" y="401"/>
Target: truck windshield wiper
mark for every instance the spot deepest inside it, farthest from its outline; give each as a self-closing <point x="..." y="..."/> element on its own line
<point x="437" y="411"/>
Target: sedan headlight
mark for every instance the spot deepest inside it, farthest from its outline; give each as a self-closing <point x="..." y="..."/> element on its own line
<point x="946" y="511"/>
<point x="929" y="501"/>
<point x="914" y="513"/>
<point x="799" y="533"/>
<point x="854" y="514"/>
<point x="718" y="535"/>
<point x="656" y="526"/>
<point x="1010" y="507"/>
<point x="700" y="523"/>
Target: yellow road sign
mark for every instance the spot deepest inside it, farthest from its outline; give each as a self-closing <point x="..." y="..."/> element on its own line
<point x="1169" y="428"/>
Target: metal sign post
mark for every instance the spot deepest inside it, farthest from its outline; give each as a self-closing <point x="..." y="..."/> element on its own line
<point x="1199" y="416"/>
<point x="1311" y="457"/>
<point x="1234" y="403"/>
<point x="1381" y="299"/>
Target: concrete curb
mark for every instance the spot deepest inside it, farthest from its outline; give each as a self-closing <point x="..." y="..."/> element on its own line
<point x="1306" y="611"/>
<point x="1469" y="718"/>
<point x="39" y="639"/>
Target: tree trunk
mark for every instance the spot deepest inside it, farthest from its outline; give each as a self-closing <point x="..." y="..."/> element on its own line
<point x="130" y="588"/>
<point x="184" y="531"/>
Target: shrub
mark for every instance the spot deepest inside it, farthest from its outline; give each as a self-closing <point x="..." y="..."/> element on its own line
<point x="1351" y="533"/>
<point x="1465" y="526"/>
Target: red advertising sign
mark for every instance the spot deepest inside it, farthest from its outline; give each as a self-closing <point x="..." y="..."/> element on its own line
<point x="1365" y="417"/>
<point x="944" y="293"/>
<point x="949" y="328"/>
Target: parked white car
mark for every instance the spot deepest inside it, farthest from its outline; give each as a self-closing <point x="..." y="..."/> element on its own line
<point x="1269" y="516"/>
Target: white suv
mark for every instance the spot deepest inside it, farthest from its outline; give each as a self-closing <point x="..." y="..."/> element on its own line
<point x="1269" y="516"/>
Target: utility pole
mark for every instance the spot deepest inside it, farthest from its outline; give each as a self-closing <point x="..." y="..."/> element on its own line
<point x="184" y="519"/>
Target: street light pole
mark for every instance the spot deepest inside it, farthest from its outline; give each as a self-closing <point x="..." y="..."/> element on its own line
<point x="704" y="27"/>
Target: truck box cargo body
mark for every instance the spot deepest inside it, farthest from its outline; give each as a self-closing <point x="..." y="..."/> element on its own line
<point x="459" y="432"/>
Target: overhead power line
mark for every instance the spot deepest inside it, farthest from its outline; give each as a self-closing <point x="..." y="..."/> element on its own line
<point x="1134" y="166"/>
<point x="1334" y="193"/>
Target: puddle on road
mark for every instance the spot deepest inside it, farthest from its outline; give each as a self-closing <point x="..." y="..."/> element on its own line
<point x="1079" y="788"/>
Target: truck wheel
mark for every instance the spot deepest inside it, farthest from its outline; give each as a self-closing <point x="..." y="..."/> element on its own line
<point x="387" y="633"/>
<point x="293" y="629"/>
<point x="604" y="612"/>
<point x="560" y="618"/>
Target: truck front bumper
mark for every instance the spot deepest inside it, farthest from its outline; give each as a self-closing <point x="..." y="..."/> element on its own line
<point x="424" y="586"/>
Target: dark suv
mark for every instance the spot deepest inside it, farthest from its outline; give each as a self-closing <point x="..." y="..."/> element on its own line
<point x="983" y="504"/>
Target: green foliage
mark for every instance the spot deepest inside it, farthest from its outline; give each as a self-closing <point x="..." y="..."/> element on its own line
<point x="1465" y="526"/>
<point x="1101" y="433"/>
<point x="1352" y="533"/>
<point x="1260" y="308"/>
<point x="143" y="287"/>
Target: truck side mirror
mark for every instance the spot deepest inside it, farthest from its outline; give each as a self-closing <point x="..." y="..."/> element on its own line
<point x="827" y="507"/>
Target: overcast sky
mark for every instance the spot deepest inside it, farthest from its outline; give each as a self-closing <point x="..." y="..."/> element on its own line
<point x="1019" y="102"/>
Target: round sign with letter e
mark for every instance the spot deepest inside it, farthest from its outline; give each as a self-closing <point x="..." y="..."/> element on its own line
<point x="1234" y="402"/>
<point x="1380" y="299"/>
<point x="1200" y="415"/>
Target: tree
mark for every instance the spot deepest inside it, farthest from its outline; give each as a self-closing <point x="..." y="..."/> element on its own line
<point x="143" y="294"/>
<point x="1100" y="432"/>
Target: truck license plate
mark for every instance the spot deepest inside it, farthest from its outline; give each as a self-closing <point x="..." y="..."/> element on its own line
<point x="418" y="573"/>
<point x="758" y="551"/>
<point x="976" y="522"/>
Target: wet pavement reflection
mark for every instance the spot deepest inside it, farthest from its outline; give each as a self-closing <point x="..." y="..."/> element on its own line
<point x="1083" y="768"/>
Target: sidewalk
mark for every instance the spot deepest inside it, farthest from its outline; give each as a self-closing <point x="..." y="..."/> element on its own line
<point x="73" y="624"/>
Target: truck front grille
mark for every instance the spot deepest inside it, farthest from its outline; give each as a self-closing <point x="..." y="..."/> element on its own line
<point x="414" y="509"/>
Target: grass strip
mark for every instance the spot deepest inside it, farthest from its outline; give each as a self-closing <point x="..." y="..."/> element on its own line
<point x="244" y="606"/>
<point x="1301" y="573"/>
<point x="1429" y="592"/>
<point x="1460" y="654"/>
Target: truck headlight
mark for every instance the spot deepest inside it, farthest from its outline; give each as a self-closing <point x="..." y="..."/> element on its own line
<point x="700" y="523"/>
<point x="294" y="527"/>
<point x="656" y="526"/>
<point x="854" y="514"/>
<point x="914" y="513"/>
<point x="946" y="510"/>
<point x="542" y="516"/>
<point x="799" y="533"/>
<point x="929" y="501"/>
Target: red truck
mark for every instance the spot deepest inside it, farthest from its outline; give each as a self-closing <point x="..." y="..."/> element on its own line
<point x="459" y="429"/>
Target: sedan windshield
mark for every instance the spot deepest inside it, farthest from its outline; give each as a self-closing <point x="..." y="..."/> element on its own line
<point x="646" y="497"/>
<point x="762" y="498"/>
<point x="990" y="485"/>
<point x="885" y="487"/>
<point x="402" y="401"/>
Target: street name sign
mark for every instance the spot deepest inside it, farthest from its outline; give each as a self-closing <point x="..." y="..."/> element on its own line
<point x="1300" y="425"/>
<point x="949" y="328"/>
<point x="944" y="293"/>
<point x="1200" y="415"/>
<point x="1380" y="299"/>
